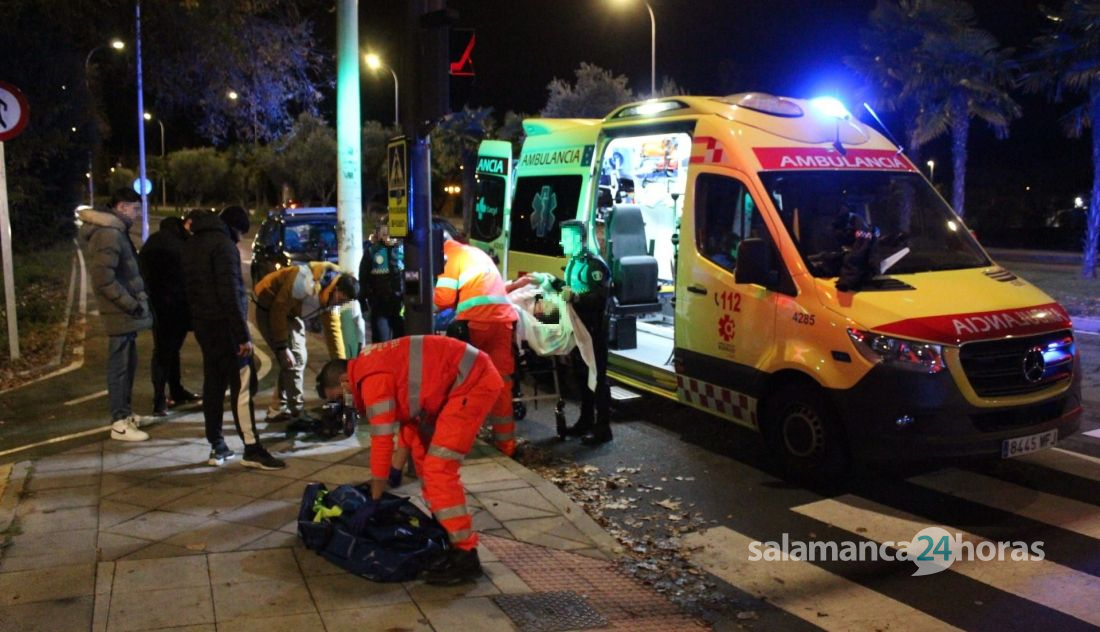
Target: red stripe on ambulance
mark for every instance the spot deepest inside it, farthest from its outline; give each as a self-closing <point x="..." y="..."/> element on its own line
<point x="822" y="158"/>
<point x="959" y="328"/>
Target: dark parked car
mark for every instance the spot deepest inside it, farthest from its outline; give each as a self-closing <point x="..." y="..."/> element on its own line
<point x="291" y="235"/>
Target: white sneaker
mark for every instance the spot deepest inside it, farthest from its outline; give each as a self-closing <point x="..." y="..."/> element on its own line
<point x="141" y="421"/>
<point x="127" y="430"/>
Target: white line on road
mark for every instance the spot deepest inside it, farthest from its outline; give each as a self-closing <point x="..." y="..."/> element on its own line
<point x="1042" y="581"/>
<point x="802" y="589"/>
<point x="1092" y="433"/>
<point x="56" y="440"/>
<point x="1064" y="513"/>
<point x="86" y="398"/>
<point x="1066" y="461"/>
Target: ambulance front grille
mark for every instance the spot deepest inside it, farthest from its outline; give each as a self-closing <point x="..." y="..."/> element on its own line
<point x="999" y="368"/>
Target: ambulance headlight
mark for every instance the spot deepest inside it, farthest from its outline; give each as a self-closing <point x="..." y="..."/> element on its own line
<point x="903" y="354"/>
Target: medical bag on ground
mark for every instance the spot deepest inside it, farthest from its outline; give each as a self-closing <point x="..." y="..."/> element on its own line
<point x="395" y="545"/>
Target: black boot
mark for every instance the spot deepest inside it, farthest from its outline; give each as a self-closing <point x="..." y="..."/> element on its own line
<point x="579" y="429"/>
<point x="160" y="405"/>
<point x="459" y="566"/>
<point x="600" y="433"/>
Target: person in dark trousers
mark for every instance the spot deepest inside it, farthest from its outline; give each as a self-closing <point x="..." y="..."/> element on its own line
<point x="219" y="312"/>
<point x="123" y="304"/>
<point x="586" y="287"/>
<point x="380" y="280"/>
<point x="160" y="260"/>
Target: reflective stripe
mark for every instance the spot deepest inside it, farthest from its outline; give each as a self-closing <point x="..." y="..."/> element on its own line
<point x="481" y="300"/>
<point x="467" y="276"/>
<point x="452" y="512"/>
<point x="416" y="363"/>
<point x="469" y="356"/>
<point x="503" y="436"/>
<point x="446" y="283"/>
<point x="384" y="406"/>
<point x="378" y="430"/>
<point x="459" y="536"/>
<point x="445" y="453"/>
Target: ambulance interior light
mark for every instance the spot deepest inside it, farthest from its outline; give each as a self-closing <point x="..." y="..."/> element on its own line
<point x="765" y="104"/>
<point x="831" y="106"/>
<point x="649" y="108"/>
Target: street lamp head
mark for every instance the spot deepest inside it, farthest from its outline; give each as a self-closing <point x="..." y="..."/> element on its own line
<point x="118" y="44"/>
<point x="232" y="94"/>
<point x="147" y="116"/>
<point x="931" y="164"/>
<point x="373" y="61"/>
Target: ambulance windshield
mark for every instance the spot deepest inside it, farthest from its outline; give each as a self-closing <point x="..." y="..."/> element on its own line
<point x="825" y="212"/>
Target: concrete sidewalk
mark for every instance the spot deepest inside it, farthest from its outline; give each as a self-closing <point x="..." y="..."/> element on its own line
<point x="145" y="536"/>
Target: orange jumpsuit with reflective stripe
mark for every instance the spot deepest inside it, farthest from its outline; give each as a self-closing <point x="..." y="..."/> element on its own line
<point x="471" y="283"/>
<point x="435" y="392"/>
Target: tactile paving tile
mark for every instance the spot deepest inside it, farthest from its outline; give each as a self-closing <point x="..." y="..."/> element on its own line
<point x="550" y="611"/>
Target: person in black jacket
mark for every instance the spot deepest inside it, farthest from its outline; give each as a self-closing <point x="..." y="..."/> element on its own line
<point x="160" y="260"/>
<point x="219" y="314"/>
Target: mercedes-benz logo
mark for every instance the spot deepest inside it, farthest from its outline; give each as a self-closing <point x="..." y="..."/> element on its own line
<point x="1034" y="365"/>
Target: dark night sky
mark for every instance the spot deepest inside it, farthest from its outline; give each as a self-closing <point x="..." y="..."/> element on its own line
<point x="790" y="47"/>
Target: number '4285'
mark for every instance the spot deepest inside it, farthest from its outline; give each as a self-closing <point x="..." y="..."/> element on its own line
<point x="803" y="319"/>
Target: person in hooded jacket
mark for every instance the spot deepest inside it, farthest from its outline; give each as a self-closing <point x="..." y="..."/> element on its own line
<point x="219" y="314"/>
<point x="123" y="304"/>
<point x="160" y="259"/>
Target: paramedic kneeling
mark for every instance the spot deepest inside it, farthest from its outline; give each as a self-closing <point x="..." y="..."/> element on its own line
<point x="436" y="392"/>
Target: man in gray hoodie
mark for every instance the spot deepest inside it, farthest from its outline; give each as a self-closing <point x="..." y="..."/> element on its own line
<point x="123" y="304"/>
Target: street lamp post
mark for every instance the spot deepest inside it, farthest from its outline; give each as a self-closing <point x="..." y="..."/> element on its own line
<point x="374" y="63"/>
<point x="931" y="171"/>
<point x="163" y="190"/>
<point x="652" y="51"/>
<point x="117" y="45"/>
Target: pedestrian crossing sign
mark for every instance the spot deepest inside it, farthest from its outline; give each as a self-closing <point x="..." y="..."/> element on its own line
<point x="397" y="183"/>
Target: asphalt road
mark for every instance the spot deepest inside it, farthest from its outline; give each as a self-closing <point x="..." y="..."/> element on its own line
<point x="720" y="477"/>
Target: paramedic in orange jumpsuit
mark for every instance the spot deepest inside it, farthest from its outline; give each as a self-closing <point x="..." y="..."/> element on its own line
<point x="471" y="284"/>
<point x="434" y="392"/>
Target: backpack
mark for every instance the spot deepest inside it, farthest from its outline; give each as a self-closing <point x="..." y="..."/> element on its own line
<point x="397" y="544"/>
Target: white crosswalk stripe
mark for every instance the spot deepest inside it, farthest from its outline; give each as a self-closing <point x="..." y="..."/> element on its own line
<point x="802" y="589"/>
<point x="1041" y="581"/>
<point x="1073" y="463"/>
<point x="1064" y="513"/>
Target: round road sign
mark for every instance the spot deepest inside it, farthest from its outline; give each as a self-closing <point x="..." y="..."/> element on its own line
<point x="14" y="111"/>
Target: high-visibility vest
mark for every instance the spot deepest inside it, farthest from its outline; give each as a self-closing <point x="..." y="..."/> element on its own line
<point x="472" y="285"/>
<point x="397" y="381"/>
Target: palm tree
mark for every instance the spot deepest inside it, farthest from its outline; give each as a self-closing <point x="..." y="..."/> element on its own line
<point x="1065" y="59"/>
<point x="943" y="71"/>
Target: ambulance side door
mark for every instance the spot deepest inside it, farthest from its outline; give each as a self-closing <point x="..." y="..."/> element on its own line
<point x="724" y="330"/>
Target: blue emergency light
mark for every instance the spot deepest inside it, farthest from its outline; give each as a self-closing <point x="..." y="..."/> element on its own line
<point x="830" y="106"/>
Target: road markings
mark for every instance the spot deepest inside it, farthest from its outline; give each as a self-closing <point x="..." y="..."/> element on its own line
<point x="1092" y="433"/>
<point x="1064" y="513"/>
<point x="76" y="435"/>
<point x="86" y="398"/>
<point x="1041" y="581"/>
<point x="812" y="594"/>
<point x="1065" y="461"/>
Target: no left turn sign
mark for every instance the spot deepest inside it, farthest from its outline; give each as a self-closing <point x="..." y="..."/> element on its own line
<point x="14" y="111"/>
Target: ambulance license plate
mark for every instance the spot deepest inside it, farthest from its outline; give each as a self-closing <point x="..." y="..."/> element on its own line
<point x="1018" y="446"/>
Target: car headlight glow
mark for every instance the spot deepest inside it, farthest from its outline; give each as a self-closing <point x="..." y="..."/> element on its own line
<point x="904" y="354"/>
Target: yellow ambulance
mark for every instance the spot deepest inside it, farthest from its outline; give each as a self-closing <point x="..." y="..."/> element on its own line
<point x="779" y="264"/>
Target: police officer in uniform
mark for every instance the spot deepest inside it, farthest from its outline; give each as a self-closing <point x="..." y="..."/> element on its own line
<point x="586" y="287"/>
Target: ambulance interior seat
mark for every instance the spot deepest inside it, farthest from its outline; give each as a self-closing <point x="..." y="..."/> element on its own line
<point x="633" y="268"/>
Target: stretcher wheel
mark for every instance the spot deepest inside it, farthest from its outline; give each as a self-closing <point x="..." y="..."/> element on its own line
<point x="519" y="410"/>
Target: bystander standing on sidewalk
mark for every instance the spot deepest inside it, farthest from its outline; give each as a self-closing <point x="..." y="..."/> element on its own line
<point x="160" y="260"/>
<point x="123" y="304"/>
<point x="219" y="312"/>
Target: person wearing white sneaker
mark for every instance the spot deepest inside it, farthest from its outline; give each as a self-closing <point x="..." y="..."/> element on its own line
<point x="127" y="430"/>
<point x="123" y="304"/>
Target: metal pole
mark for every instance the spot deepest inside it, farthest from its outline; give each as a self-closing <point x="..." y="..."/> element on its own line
<point x="396" y="110"/>
<point x="5" y="245"/>
<point x="91" y="150"/>
<point x="141" y="126"/>
<point x="652" y="52"/>
<point x="349" y="134"/>
<point x="163" y="191"/>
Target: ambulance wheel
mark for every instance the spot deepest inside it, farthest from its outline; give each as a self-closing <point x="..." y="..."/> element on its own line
<point x="519" y="410"/>
<point x="804" y="431"/>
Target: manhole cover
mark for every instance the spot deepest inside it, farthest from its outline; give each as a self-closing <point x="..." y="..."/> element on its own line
<point x="549" y="611"/>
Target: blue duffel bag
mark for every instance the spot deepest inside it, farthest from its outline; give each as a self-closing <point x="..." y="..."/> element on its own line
<point x="396" y="544"/>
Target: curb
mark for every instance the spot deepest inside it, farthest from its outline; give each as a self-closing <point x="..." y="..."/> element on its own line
<point x="13" y="479"/>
